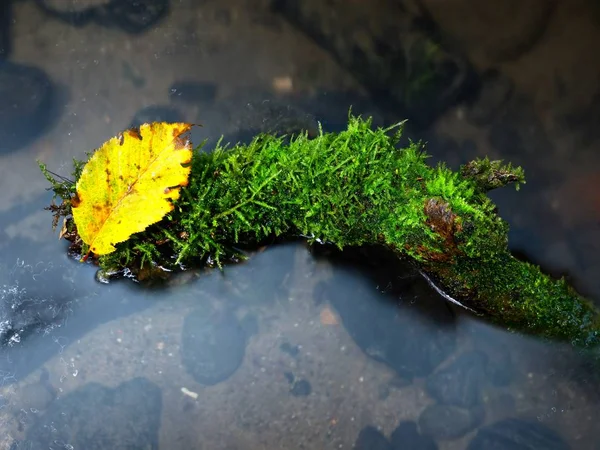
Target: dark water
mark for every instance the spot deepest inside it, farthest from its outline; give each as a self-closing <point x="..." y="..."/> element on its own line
<point x="295" y="349"/>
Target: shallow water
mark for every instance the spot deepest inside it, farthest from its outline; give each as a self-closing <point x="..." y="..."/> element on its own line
<point x="294" y="349"/>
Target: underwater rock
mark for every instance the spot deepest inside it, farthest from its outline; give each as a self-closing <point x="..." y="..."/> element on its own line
<point x="245" y="114"/>
<point x="331" y="107"/>
<point x="582" y="122"/>
<point x="494" y="92"/>
<point x="460" y="383"/>
<point x="37" y="396"/>
<point x="298" y="386"/>
<point x="44" y="303"/>
<point x="131" y="16"/>
<point x="22" y="316"/>
<point x="213" y="344"/>
<point x="301" y="388"/>
<point x="34" y="299"/>
<point x="156" y="113"/>
<point x="27" y="101"/>
<point x="129" y="413"/>
<point x="33" y="399"/>
<point x="392" y="333"/>
<point x="500" y="370"/>
<point x="496" y="31"/>
<point x="72" y="6"/>
<point x="222" y="16"/>
<point x="402" y="68"/>
<point x="292" y="350"/>
<point x="518" y="131"/>
<point x="370" y="438"/>
<point x="441" y="146"/>
<point x="407" y="437"/>
<point x="74" y="12"/>
<point x="134" y="16"/>
<point x="510" y="434"/>
<point x="397" y="382"/>
<point x="5" y="36"/>
<point x="263" y="282"/>
<point x="448" y="421"/>
<point x="193" y="92"/>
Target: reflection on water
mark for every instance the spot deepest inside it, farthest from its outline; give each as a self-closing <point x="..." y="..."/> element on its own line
<point x="294" y="349"/>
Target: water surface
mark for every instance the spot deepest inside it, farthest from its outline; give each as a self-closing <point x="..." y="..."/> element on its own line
<point x="294" y="349"/>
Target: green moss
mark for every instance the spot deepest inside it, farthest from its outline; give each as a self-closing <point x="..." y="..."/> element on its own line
<point x="517" y="295"/>
<point x="353" y="188"/>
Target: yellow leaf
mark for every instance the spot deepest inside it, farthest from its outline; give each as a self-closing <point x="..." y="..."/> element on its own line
<point x="130" y="183"/>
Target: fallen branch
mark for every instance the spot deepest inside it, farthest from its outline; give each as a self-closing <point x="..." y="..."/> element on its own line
<point x="354" y="188"/>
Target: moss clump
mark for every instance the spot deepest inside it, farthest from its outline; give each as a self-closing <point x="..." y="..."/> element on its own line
<point x="353" y="188"/>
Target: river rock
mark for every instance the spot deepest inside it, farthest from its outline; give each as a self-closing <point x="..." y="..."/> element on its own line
<point x="27" y="105"/>
<point x="448" y="421"/>
<point x="96" y="417"/>
<point x="518" y="133"/>
<point x="495" y="89"/>
<point x="402" y="67"/>
<point x="370" y="438"/>
<point x="213" y="344"/>
<point x="156" y="113"/>
<point x="495" y="31"/>
<point x="72" y="5"/>
<point x="195" y="93"/>
<point x="511" y="434"/>
<point x="582" y="122"/>
<point x="129" y="16"/>
<point x="460" y="383"/>
<point x="407" y="437"/>
<point x="392" y="333"/>
<point x="299" y="387"/>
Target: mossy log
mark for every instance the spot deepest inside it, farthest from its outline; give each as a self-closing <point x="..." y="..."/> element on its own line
<point x="353" y="188"/>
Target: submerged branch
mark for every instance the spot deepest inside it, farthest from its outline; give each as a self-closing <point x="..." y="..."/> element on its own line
<point x="353" y="188"/>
